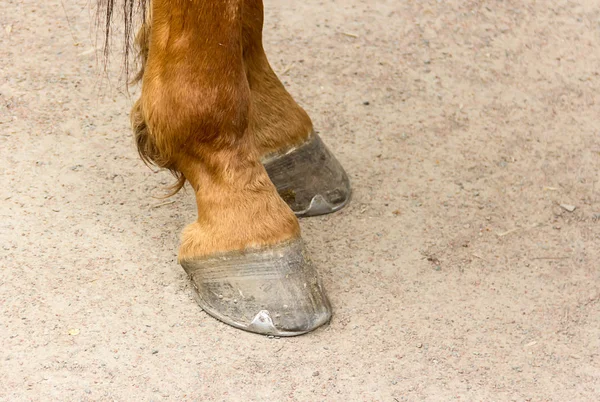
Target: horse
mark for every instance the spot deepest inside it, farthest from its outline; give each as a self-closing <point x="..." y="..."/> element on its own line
<point x="214" y="113"/>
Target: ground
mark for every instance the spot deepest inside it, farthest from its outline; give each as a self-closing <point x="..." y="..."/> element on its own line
<point x="466" y="266"/>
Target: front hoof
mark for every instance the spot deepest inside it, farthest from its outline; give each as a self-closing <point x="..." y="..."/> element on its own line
<point x="273" y="290"/>
<point x="309" y="178"/>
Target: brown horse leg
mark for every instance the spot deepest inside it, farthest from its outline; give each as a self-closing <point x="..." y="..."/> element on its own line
<point x="278" y="120"/>
<point x="306" y="174"/>
<point x="244" y="253"/>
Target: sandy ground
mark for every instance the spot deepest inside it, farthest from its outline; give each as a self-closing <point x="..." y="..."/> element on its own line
<point x="454" y="274"/>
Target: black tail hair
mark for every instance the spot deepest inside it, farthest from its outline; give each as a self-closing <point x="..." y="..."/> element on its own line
<point x="131" y="10"/>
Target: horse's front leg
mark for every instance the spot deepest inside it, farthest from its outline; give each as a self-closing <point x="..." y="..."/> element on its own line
<point x="244" y="254"/>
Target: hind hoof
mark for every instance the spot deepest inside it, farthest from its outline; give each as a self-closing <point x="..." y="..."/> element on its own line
<point x="272" y="291"/>
<point x="309" y="178"/>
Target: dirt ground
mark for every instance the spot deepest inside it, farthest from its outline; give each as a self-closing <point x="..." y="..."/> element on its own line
<point x="455" y="273"/>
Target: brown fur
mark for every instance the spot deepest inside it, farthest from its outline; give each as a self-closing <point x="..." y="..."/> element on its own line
<point x="196" y="108"/>
<point x="211" y="106"/>
<point x="148" y="151"/>
<point x="275" y="117"/>
<point x="142" y="45"/>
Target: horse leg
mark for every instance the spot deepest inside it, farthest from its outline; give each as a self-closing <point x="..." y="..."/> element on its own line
<point x="306" y="174"/>
<point x="244" y="254"/>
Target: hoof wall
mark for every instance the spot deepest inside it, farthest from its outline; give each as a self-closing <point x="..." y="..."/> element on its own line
<point x="309" y="178"/>
<point x="272" y="291"/>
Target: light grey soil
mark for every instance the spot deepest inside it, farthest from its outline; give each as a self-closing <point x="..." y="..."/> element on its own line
<point x="454" y="273"/>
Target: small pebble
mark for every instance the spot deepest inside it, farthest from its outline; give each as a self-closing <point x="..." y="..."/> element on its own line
<point x="316" y="374"/>
<point x="568" y="207"/>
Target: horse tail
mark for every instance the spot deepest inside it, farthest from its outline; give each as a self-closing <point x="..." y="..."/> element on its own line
<point x="133" y="12"/>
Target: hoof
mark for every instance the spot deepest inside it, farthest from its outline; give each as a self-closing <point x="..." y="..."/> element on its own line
<point x="309" y="178"/>
<point x="271" y="291"/>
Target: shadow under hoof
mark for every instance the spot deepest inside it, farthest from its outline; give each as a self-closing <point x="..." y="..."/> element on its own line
<point x="309" y="178"/>
<point x="273" y="290"/>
